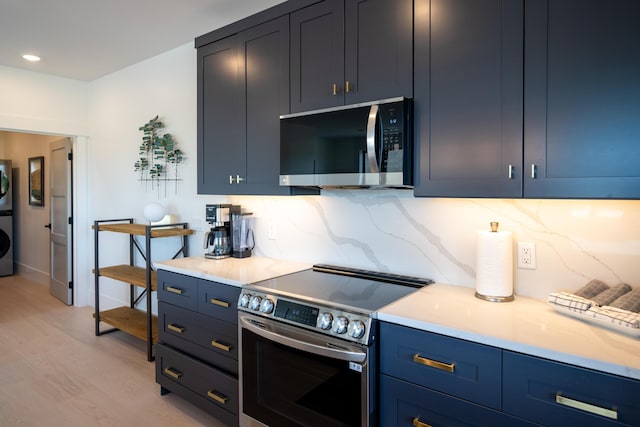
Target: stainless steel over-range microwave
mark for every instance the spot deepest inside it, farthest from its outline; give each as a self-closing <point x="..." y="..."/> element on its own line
<point x="362" y="145"/>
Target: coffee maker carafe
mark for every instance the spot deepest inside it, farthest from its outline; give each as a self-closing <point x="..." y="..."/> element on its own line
<point x="218" y="240"/>
<point x="242" y="237"/>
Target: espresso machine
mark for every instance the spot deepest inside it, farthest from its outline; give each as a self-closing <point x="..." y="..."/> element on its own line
<point x="218" y="241"/>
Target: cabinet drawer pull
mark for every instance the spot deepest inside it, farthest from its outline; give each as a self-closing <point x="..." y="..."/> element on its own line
<point x="221" y="346"/>
<point x="418" y="423"/>
<point x="173" y="290"/>
<point x="449" y="367"/>
<point x="173" y="373"/>
<point x="175" y="328"/>
<point x="218" y="398"/>
<point x="335" y="89"/>
<point x="219" y="302"/>
<point x="510" y="176"/>
<point x="587" y="407"/>
<point x="533" y="171"/>
<point x="347" y="86"/>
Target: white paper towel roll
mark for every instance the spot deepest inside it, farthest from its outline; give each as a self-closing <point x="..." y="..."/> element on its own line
<point x="494" y="266"/>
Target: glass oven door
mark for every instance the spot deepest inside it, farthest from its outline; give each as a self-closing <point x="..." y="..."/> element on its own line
<point x="293" y="377"/>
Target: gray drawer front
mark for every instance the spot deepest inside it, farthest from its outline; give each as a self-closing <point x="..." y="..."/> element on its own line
<point x="206" y="338"/>
<point x="218" y="391"/>
<point x="532" y="384"/>
<point x="468" y="370"/>
<point x="178" y="289"/>
<point x="218" y="300"/>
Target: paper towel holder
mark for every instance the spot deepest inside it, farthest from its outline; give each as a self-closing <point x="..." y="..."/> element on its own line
<point x="494" y="298"/>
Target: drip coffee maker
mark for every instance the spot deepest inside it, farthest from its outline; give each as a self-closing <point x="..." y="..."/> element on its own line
<point x="217" y="242"/>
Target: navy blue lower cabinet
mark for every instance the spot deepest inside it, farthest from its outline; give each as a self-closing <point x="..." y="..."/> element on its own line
<point x="211" y="390"/>
<point x="557" y="394"/>
<point x="463" y="369"/>
<point x="406" y="404"/>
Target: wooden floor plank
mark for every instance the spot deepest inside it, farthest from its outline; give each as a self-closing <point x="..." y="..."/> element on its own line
<point x="54" y="371"/>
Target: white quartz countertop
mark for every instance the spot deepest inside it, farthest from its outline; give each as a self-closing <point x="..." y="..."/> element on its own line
<point x="232" y="271"/>
<point x="524" y="325"/>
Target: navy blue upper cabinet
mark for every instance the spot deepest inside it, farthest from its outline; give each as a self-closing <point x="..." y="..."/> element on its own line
<point x="351" y="51"/>
<point x="468" y="98"/>
<point x="243" y="88"/>
<point x="582" y="99"/>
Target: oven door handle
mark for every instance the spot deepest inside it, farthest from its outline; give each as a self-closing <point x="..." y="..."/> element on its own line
<point x="332" y="352"/>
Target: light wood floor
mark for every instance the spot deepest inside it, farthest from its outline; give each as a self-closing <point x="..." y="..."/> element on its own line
<point x="55" y="372"/>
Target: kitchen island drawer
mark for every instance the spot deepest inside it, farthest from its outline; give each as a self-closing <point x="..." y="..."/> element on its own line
<point x="202" y="385"/>
<point x="557" y="394"/>
<point x="204" y="337"/>
<point x="178" y="289"/>
<point x="460" y="368"/>
<point x="407" y="405"/>
<point x="218" y="300"/>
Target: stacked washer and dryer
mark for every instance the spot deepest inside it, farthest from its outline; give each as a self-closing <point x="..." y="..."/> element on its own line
<point x="6" y="219"/>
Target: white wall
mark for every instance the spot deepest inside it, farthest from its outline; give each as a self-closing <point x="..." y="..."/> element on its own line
<point x="119" y="105"/>
<point x="41" y="103"/>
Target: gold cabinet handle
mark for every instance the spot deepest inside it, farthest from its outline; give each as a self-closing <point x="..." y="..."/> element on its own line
<point x="218" y="398"/>
<point x="587" y="407"/>
<point x="418" y="423"/>
<point x="347" y="86"/>
<point x="173" y="290"/>
<point x="448" y="367"/>
<point x="175" y="328"/>
<point x="221" y="346"/>
<point x="173" y="373"/>
<point x="335" y="89"/>
<point x="219" y="302"/>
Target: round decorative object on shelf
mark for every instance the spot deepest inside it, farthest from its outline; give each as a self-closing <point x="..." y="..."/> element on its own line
<point x="154" y="212"/>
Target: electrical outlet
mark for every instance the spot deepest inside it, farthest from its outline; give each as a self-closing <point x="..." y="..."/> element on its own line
<point x="527" y="255"/>
<point x="271" y="231"/>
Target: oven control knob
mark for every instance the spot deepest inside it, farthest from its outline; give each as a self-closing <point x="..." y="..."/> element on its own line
<point x="340" y="325"/>
<point x="266" y="306"/>
<point x="325" y="321"/>
<point x="244" y="300"/>
<point x="255" y="303"/>
<point x="356" y="329"/>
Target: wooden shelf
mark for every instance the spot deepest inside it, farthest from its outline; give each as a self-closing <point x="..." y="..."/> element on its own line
<point x="140" y="230"/>
<point x="131" y="321"/>
<point x="139" y="323"/>
<point x="129" y="274"/>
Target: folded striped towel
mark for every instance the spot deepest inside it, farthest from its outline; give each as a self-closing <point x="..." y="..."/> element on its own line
<point x="591" y="289"/>
<point x="608" y="296"/>
<point x="615" y="315"/>
<point x="570" y="301"/>
<point x="629" y="301"/>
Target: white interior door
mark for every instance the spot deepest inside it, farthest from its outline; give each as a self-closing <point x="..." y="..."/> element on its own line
<point x="60" y="205"/>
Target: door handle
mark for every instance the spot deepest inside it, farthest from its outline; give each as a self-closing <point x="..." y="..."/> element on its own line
<point x="48" y="226"/>
<point x="372" y="120"/>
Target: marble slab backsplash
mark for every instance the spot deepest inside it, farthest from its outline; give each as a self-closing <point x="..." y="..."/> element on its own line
<point x="390" y="230"/>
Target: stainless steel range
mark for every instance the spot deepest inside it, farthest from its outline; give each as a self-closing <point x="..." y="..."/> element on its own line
<point x="308" y="346"/>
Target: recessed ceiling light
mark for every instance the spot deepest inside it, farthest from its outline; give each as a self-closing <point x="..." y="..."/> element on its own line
<point x="32" y="58"/>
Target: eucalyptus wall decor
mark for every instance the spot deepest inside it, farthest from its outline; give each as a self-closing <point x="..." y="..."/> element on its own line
<point x="159" y="155"/>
